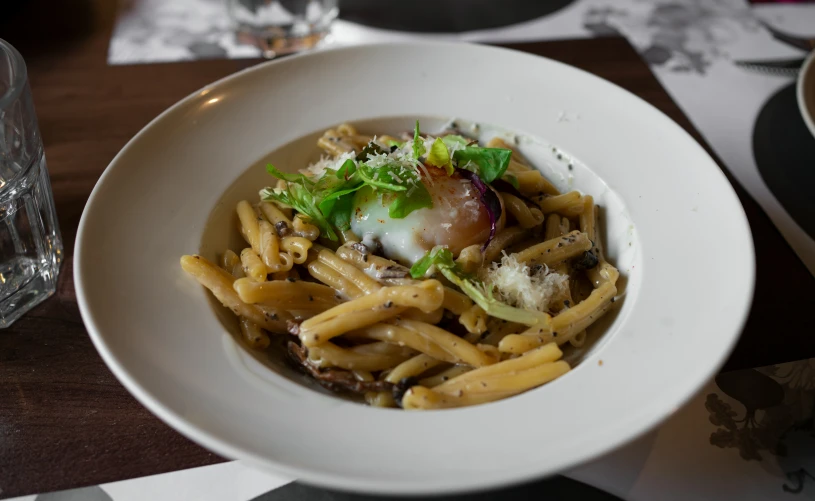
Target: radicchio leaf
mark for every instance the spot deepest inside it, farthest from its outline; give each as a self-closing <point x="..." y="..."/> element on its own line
<point x="506" y="187"/>
<point x="490" y="200"/>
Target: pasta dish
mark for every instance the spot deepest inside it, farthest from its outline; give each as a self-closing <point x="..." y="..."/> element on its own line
<point x="420" y="272"/>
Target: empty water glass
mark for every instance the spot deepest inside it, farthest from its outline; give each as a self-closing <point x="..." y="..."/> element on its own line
<point x="30" y="242"/>
<point x="279" y="27"/>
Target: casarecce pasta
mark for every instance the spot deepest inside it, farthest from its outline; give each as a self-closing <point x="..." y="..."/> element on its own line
<point x="416" y="271"/>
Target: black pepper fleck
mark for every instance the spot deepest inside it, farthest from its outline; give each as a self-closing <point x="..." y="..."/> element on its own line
<point x="388" y="304"/>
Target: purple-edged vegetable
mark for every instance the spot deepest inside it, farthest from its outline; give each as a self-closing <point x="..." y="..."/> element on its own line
<point x="490" y="200"/>
<point x="501" y="185"/>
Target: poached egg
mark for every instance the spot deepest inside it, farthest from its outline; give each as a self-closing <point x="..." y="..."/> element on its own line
<point x="457" y="219"/>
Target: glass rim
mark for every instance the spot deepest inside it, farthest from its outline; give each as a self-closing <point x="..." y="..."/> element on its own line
<point x="18" y="77"/>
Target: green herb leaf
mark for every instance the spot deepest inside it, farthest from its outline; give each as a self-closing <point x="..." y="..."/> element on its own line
<point x="439" y="157"/>
<point x="511" y="180"/>
<point x="393" y="142"/>
<point x="417" y="197"/>
<point x="289" y="177"/>
<point x="300" y="198"/>
<point x="380" y="178"/>
<point x="331" y="187"/>
<point x="347" y="169"/>
<point x="342" y="211"/>
<point x="418" y="144"/>
<point x="442" y="259"/>
<point x="490" y="162"/>
<point x="328" y="202"/>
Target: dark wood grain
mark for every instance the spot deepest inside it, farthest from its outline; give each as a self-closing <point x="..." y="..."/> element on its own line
<point x="64" y="420"/>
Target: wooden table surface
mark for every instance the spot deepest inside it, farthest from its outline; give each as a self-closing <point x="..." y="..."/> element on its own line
<point x="65" y="421"/>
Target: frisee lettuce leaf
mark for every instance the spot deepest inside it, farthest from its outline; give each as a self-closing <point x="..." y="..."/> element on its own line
<point x="439" y="156"/>
<point x="489" y="163"/>
<point x="454" y="141"/>
<point x="442" y="259"/>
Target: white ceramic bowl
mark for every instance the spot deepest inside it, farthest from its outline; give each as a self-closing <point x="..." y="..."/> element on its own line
<point x="675" y="229"/>
<point x="805" y="89"/>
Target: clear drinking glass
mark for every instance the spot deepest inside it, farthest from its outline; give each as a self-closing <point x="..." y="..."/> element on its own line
<point x="30" y="242"/>
<point x="279" y="27"/>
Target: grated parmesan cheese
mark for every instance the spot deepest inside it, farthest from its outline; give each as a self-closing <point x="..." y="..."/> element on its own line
<point x="377" y="160"/>
<point x="317" y="169"/>
<point x="523" y="287"/>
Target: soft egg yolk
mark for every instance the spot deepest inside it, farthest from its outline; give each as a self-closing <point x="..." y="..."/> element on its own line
<point x="457" y="219"/>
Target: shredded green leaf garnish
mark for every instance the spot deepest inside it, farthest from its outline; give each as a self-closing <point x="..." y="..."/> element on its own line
<point x="442" y="259"/>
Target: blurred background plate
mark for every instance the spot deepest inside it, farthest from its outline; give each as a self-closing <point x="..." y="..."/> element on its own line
<point x="806" y="92"/>
<point x="446" y="16"/>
